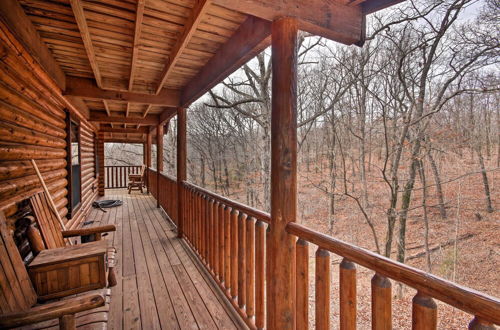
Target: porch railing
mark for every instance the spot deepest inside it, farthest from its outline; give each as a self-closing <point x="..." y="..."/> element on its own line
<point x="167" y="196"/>
<point x="117" y="176"/>
<point x="229" y="238"/>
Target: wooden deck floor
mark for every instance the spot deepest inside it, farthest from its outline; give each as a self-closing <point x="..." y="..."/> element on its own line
<point x="160" y="286"/>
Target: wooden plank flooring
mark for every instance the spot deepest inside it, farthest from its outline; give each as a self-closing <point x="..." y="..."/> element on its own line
<point x="159" y="285"/>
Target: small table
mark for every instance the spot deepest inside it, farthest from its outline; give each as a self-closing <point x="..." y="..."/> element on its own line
<point x="60" y="272"/>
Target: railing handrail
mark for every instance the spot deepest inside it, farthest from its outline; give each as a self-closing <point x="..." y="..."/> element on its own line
<point x="466" y="299"/>
<point x="122" y="165"/>
<point x="250" y="211"/>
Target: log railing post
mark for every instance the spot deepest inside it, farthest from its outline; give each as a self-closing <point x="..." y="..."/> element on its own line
<point x="281" y="245"/>
<point x="478" y="323"/>
<point x="260" y="249"/>
<point x="181" y="168"/>
<point x="381" y="303"/>
<point x="424" y="312"/>
<point x="100" y="165"/>
<point x="322" y="289"/>
<point x="159" y="161"/>
<point x="302" y="283"/>
<point x="347" y="285"/>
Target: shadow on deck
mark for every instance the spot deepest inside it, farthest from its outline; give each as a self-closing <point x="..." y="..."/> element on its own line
<point x="159" y="285"/>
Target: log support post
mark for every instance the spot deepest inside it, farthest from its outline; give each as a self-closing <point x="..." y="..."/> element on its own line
<point x="100" y="165"/>
<point x="181" y="168"/>
<point x="159" y="161"/>
<point x="148" y="159"/>
<point x="281" y="245"/>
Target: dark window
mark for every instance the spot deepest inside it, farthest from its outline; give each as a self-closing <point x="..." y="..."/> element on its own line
<point x="96" y="157"/>
<point x="73" y="165"/>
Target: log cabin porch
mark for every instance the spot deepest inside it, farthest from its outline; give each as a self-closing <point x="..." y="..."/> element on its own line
<point x="79" y="73"/>
<point x="160" y="283"/>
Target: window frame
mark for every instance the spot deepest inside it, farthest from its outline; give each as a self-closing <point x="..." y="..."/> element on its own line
<point x="70" y="122"/>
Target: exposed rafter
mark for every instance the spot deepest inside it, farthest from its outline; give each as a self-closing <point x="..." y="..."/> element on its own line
<point x="253" y="36"/>
<point x="87" y="41"/>
<point x="326" y="18"/>
<point x="189" y="28"/>
<point x="87" y="89"/>
<point x="22" y="27"/>
<point x="106" y="107"/>
<point x="137" y="34"/>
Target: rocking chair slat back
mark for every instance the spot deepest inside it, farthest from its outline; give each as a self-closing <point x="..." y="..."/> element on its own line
<point x="47" y="221"/>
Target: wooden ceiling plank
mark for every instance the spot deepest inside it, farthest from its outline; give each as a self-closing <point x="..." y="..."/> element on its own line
<point x="106" y="106"/>
<point x="326" y="18"/>
<point x="253" y="36"/>
<point x="13" y="15"/>
<point x="79" y="14"/>
<point x="189" y="28"/>
<point x="137" y="34"/>
<point x="87" y="89"/>
<point x="100" y="117"/>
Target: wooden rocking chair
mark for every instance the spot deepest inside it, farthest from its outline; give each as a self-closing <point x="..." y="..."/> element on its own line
<point x="18" y="298"/>
<point x="136" y="181"/>
<point x="54" y="237"/>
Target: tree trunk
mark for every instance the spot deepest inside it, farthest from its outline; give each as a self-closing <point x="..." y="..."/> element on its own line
<point x="439" y="188"/>
<point x="489" y="206"/>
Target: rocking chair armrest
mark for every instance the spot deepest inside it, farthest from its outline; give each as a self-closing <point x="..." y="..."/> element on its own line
<point x="52" y="310"/>
<point x="88" y="231"/>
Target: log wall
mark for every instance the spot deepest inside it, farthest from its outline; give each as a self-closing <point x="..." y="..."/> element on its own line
<point x="32" y="125"/>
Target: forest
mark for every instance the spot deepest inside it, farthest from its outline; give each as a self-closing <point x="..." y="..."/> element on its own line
<point x="399" y="140"/>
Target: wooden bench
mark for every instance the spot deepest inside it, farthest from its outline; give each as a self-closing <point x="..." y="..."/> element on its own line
<point x="53" y="237"/>
<point x="18" y="299"/>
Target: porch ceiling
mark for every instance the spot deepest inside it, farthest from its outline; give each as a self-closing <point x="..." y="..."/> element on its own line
<point x="135" y="58"/>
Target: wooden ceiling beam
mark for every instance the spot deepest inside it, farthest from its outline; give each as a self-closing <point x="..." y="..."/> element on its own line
<point x="166" y="115"/>
<point x="79" y="14"/>
<point x="371" y="6"/>
<point x="87" y="89"/>
<point x="124" y="140"/>
<point x="190" y="27"/>
<point x="252" y="37"/>
<point x="13" y="15"/>
<point x="103" y="118"/>
<point x="325" y="18"/>
<point x="141" y="130"/>
<point x="137" y="34"/>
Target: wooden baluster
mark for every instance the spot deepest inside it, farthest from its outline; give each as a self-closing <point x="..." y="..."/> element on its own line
<point x="322" y="289"/>
<point x="347" y="291"/>
<point x="424" y="312"/>
<point x="227" y="245"/>
<point x="212" y="236"/>
<point x="196" y="201"/>
<point x="210" y="215"/>
<point x="242" y="261"/>
<point x="478" y="323"/>
<point x="200" y="226"/>
<point x="204" y="227"/>
<point x="250" y="267"/>
<point x="260" y="257"/>
<point x="381" y="303"/>
<point x="234" y="254"/>
<point x="215" y="244"/>
<point x="302" y="283"/>
<point x="221" y="246"/>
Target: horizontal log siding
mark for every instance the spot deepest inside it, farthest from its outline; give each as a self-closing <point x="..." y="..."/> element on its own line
<point x="32" y="125"/>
